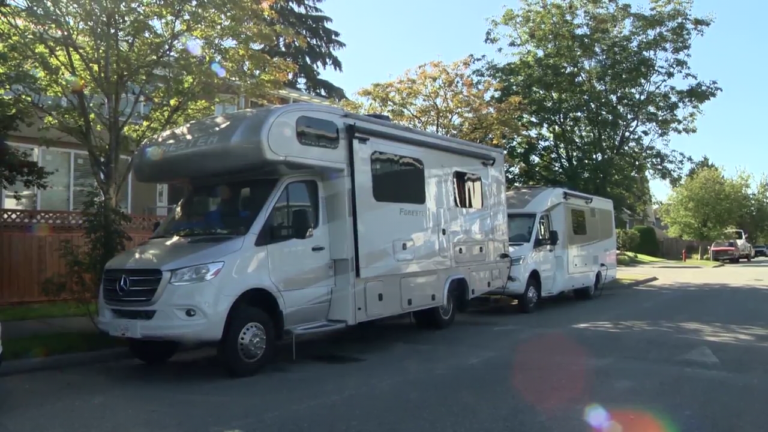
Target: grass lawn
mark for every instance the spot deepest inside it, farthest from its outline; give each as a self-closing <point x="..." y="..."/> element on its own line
<point x="630" y="258"/>
<point x="58" y="309"/>
<point x="57" y="344"/>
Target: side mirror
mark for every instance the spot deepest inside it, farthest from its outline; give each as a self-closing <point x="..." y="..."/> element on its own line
<point x="554" y="237"/>
<point x="301" y="224"/>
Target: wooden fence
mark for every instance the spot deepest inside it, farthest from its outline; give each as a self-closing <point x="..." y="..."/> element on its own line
<point x="29" y="243"/>
<point x="672" y="248"/>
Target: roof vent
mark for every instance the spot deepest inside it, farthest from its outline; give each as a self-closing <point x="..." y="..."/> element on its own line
<point x="380" y="117"/>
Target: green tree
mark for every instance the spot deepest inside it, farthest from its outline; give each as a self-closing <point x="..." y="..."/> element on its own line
<point x="309" y="44"/>
<point x="703" y="206"/>
<point x="15" y="168"/>
<point x="443" y="98"/>
<point x="753" y="217"/>
<point x="128" y="70"/>
<point x="605" y="86"/>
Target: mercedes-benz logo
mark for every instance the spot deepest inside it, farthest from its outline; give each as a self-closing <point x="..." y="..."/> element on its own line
<point x="123" y="285"/>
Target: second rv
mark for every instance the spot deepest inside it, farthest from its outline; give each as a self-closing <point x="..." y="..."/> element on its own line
<point x="559" y="240"/>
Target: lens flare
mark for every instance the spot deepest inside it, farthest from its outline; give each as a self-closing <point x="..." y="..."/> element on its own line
<point x="219" y="70"/>
<point x="75" y="84"/>
<point x="194" y="46"/>
<point x="626" y="420"/>
<point x="154" y="153"/>
<point x="41" y="229"/>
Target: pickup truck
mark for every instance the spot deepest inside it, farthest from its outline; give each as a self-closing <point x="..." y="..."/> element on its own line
<point x="746" y="251"/>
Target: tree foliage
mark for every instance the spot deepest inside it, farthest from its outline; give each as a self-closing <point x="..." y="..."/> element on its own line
<point x="309" y="44"/>
<point x="14" y="166"/>
<point x="443" y="98"/>
<point x="753" y="215"/>
<point x="704" y="206"/>
<point x="111" y="74"/>
<point x="605" y="86"/>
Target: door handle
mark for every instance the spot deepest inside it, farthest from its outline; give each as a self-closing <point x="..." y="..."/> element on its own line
<point x="318" y="248"/>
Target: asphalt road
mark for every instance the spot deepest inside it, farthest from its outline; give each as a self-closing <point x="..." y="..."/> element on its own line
<point x="686" y="353"/>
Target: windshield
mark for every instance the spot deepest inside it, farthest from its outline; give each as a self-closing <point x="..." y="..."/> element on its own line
<point x="723" y="244"/>
<point x="520" y="227"/>
<point x="220" y="209"/>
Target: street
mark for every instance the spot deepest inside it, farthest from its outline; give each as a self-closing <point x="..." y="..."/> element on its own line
<point x="685" y="353"/>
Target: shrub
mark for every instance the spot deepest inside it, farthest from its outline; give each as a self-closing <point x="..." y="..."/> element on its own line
<point x="647" y="243"/>
<point x="626" y="240"/>
<point x="104" y="237"/>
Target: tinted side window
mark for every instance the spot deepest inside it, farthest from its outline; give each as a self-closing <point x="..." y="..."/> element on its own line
<point x="315" y="132"/>
<point x="467" y="190"/>
<point x="295" y="214"/>
<point x="579" y="220"/>
<point x="398" y="179"/>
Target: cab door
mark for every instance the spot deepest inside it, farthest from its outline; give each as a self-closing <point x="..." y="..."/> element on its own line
<point x="298" y="250"/>
<point x="544" y="255"/>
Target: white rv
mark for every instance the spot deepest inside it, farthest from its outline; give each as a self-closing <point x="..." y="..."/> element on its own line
<point x="559" y="240"/>
<point x="300" y="219"/>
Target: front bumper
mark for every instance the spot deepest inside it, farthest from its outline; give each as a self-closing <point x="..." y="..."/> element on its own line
<point x="187" y="313"/>
<point x="515" y="284"/>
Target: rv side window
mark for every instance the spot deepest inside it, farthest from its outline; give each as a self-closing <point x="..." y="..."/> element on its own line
<point x="295" y="214"/>
<point x="467" y="190"/>
<point x="315" y="132"/>
<point x="397" y="179"/>
<point x="579" y="220"/>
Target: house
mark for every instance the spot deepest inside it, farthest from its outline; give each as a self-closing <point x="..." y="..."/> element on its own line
<point x="72" y="176"/>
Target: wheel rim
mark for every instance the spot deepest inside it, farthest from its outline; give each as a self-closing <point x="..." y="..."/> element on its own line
<point x="532" y="296"/>
<point x="252" y="342"/>
<point x="447" y="309"/>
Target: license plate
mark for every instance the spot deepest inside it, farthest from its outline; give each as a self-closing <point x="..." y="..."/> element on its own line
<point x="125" y="330"/>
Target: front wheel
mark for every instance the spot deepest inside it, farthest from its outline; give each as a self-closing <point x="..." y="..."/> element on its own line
<point x="248" y="344"/>
<point x="530" y="298"/>
<point x="438" y="317"/>
<point x="152" y="352"/>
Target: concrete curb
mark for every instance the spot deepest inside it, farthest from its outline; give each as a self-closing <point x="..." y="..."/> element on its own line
<point x="14" y="367"/>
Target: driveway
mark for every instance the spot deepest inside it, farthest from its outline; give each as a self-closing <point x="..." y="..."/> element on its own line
<point x="683" y="353"/>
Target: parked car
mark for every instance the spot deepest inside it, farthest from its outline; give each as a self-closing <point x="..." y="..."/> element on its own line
<point x="724" y="251"/>
<point x="761" y="251"/>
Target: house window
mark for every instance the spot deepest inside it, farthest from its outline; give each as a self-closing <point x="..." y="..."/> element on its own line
<point x="68" y="184"/>
<point x="226" y="104"/>
<point x="27" y="198"/>
<point x="397" y="179"/>
<point x="56" y="196"/>
<point x="579" y="221"/>
<point x="467" y="190"/>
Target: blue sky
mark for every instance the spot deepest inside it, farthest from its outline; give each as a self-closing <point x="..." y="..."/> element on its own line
<point x="385" y="39"/>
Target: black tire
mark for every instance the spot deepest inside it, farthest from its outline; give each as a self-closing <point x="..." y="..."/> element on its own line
<point x="152" y="352"/>
<point x="529" y="301"/>
<point x="439" y="317"/>
<point x="588" y="293"/>
<point x="248" y="343"/>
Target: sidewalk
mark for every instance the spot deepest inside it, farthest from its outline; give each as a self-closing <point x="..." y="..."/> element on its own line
<point x="26" y="328"/>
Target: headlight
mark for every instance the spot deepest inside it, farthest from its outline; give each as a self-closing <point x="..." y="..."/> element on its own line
<point x="196" y="274"/>
<point x="517" y="260"/>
